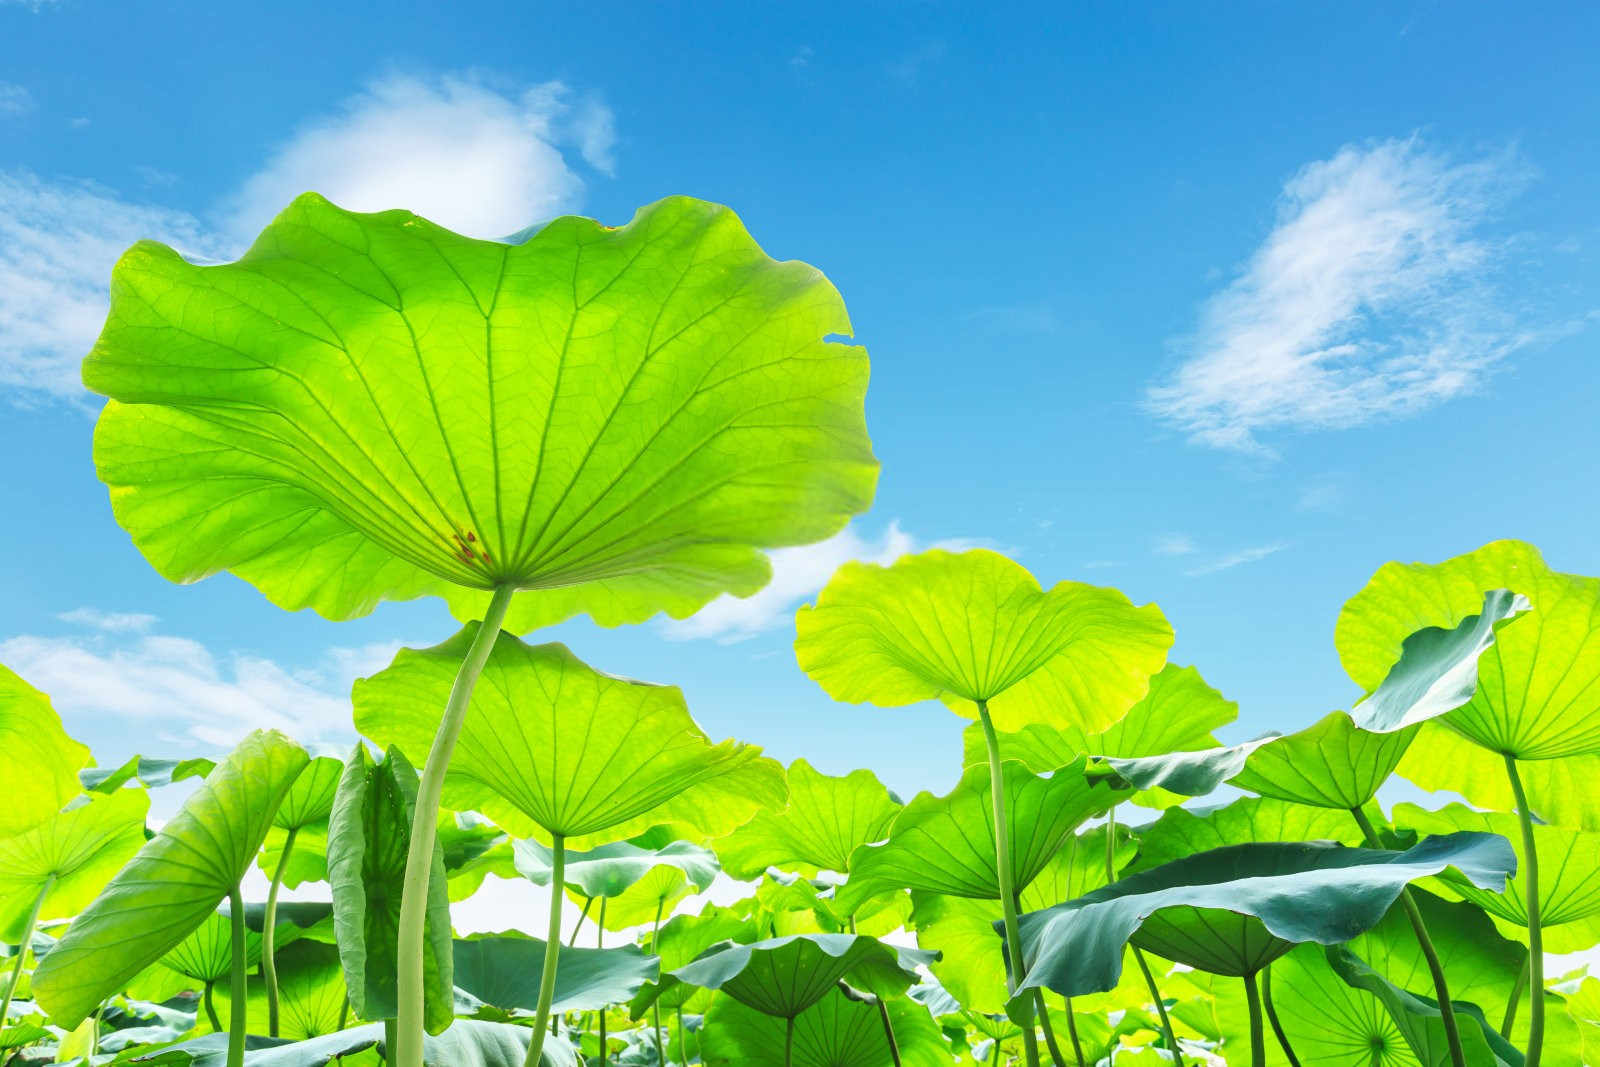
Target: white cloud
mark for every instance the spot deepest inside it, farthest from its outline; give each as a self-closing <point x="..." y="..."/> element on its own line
<point x="15" y="100"/>
<point x="1175" y="544"/>
<point x="58" y="241"/>
<point x="180" y="686"/>
<point x="1371" y="298"/>
<point x="1237" y="559"/>
<point x="110" y="621"/>
<point x="453" y="150"/>
<point x="797" y="574"/>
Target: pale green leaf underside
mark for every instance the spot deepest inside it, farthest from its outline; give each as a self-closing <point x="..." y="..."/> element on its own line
<point x="175" y="881"/>
<point x="552" y="745"/>
<point x="834" y="1032"/>
<point x="370" y="407"/>
<point x="975" y="626"/>
<point x="34" y="749"/>
<point x="75" y="852"/>
<point x="827" y="819"/>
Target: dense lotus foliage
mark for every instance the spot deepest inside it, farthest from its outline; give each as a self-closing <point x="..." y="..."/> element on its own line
<point x="620" y="422"/>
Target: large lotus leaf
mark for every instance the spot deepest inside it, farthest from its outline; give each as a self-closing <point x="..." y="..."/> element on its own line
<point x="784" y="976"/>
<point x="684" y="937"/>
<point x="1296" y="892"/>
<point x="1249" y="820"/>
<point x="504" y="972"/>
<point x="305" y="812"/>
<point x="973" y="967"/>
<point x="837" y="1031"/>
<point x="552" y="745"/>
<point x="311" y="993"/>
<point x="1186" y="774"/>
<point x="657" y="893"/>
<point x="371" y="407"/>
<point x="1569" y="865"/>
<point x="206" y="954"/>
<point x="34" y="749"/>
<point x="469" y="1043"/>
<point x="827" y="818"/>
<point x="975" y="626"/>
<point x="175" y="881"/>
<point x="369" y="837"/>
<point x="1178" y="714"/>
<point x="946" y="844"/>
<point x="473" y="848"/>
<point x="147" y="771"/>
<point x="1331" y="764"/>
<point x="1559" y="791"/>
<point x="1537" y="685"/>
<point x="310" y="799"/>
<point x="73" y="854"/>
<point x="609" y="870"/>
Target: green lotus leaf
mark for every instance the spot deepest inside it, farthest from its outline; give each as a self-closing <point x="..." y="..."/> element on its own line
<point x="69" y="857"/>
<point x="305" y="812"/>
<point x="827" y="818"/>
<point x="972" y="969"/>
<point x="369" y="836"/>
<point x="1584" y="1007"/>
<point x="175" y="881"/>
<point x="370" y="407"/>
<point x="610" y="870"/>
<point x="473" y="848"/>
<point x="311" y="993"/>
<point x="1178" y="714"/>
<point x="1331" y="764"/>
<point x="837" y="1031"/>
<point x="1250" y="820"/>
<point x="308" y="859"/>
<point x="550" y="744"/>
<point x="1559" y="791"/>
<point x="684" y="937"/>
<point x="1294" y="892"/>
<point x="310" y="799"/>
<point x="1569" y="860"/>
<point x="148" y="772"/>
<point x="1534" y="694"/>
<point x="657" y="893"/>
<point x="34" y="749"/>
<point x="784" y="976"/>
<point x="469" y="1043"/>
<point x="1186" y="774"/>
<point x="1212" y="1010"/>
<point x="946" y="844"/>
<point x="206" y="954"/>
<point x="975" y="626"/>
<point x="504" y="971"/>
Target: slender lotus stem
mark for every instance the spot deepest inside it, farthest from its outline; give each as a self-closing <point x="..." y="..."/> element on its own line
<point x="210" y="1005"/>
<point x="552" y="951"/>
<point x="1072" y="1032"/>
<point x="1530" y="872"/>
<point x="239" y="1008"/>
<point x="1008" y="893"/>
<point x="883" y="1012"/>
<point x="390" y="1037"/>
<point x="683" y="1044"/>
<point x="1272" y="1017"/>
<point x="584" y="914"/>
<point x="344" y="1012"/>
<point x="1441" y="988"/>
<point x="269" y="965"/>
<point x="1049" y="1030"/>
<point x="1510" y="1019"/>
<point x="788" y="1042"/>
<point x="409" y="982"/>
<point x="655" y="1005"/>
<point x="600" y="942"/>
<point x="1258" y="1036"/>
<point x="22" y="949"/>
<point x="1167" y="1036"/>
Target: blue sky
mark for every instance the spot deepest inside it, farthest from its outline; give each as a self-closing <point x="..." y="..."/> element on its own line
<point x="1224" y="305"/>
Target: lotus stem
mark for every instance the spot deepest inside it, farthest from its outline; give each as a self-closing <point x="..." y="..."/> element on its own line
<point x="1510" y="1019"/>
<point x="1530" y="871"/>
<point x="1272" y="1017"/>
<point x="1008" y="892"/>
<point x="269" y="965"/>
<point x="582" y="915"/>
<point x="1441" y="988"/>
<point x="1258" y="1036"/>
<point x="655" y="1005"/>
<point x="1072" y="1032"/>
<point x="22" y="949"/>
<point x="683" y="1042"/>
<point x="424" y="832"/>
<point x="1170" y="1038"/>
<point x="788" y="1042"/>
<point x="552" y="953"/>
<point x="239" y="1008"/>
<point x="600" y="942"/>
<point x="883" y="1012"/>
<point x="390" y="1038"/>
<point x="211" y="1006"/>
<point x="1049" y="1030"/>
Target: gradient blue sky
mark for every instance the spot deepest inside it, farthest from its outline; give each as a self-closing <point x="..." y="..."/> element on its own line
<point x="1225" y="305"/>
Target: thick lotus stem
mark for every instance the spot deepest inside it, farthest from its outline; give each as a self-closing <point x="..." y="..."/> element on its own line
<point x="269" y="963"/>
<point x="1441" y="988"/>
<point x="424" y="832"/>
<point x="22" y="949"/>
<point x="552" y="952"/>
<point x="1008" y="892"/>
<point x="1530" y="874"/>
<point x="1258" y="1030"/>
<point x="238" y="1010"/>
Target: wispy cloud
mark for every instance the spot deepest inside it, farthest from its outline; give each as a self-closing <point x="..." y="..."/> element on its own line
<point x="908" y="68"/>
<point x="1371" y="298"/>
<point x="109" y="621"/>
<point x="1324" y="497"/>
<point x="15" y="100"/>
<point x="797" y="575"/>
<point x="483" y="160"/>
<point x="1174" y="544"/>
<point x="1236" y="559"/>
